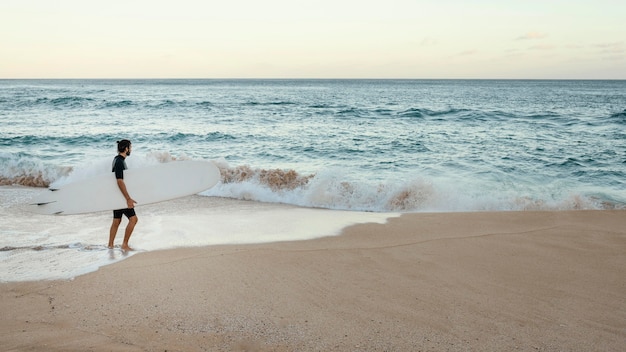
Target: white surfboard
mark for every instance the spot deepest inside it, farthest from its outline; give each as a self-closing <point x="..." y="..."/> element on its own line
<point x="145" y="185"/>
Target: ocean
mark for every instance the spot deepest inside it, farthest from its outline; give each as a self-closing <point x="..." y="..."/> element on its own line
<point x="300" y="158"/>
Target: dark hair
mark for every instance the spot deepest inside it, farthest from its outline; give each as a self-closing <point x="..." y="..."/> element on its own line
<point x="122" y="145"/>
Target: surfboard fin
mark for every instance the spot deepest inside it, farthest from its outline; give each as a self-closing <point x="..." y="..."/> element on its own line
<point x="44" y="203"/>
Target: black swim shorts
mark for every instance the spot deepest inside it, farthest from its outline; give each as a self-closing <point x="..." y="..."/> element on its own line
<point x="129" y="212"/>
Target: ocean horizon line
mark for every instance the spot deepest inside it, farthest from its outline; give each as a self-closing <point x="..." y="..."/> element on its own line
<point x="301" y="79"/>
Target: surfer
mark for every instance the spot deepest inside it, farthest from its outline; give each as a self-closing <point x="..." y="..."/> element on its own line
<point x="124" y="148"/>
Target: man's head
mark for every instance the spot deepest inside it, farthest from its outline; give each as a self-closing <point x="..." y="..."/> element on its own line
<point x="124" y="146"/>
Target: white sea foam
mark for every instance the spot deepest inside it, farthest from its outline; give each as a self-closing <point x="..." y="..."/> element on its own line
<point x="334" y="189"/>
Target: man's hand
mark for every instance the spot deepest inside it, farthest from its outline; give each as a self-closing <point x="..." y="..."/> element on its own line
<point x="130" y="203"/>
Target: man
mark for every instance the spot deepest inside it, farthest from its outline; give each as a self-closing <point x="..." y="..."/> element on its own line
<point x="124" y="148"/>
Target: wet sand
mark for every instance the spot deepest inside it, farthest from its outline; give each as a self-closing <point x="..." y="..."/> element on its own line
<point x="493" y="281"/>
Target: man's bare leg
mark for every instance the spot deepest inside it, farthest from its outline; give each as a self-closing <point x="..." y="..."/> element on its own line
<point x="129" y="231"/>
<point x="114" y="226"/>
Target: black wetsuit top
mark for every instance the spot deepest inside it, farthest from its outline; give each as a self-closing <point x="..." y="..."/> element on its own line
<point x="119" y="165"/>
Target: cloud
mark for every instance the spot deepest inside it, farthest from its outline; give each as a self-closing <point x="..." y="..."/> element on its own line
<point x="427" y="41"/>
<point x="615" y="51"/>
<point x="542" y="47"/>
<point x="467" y="53"/>
<point x="611" y="48"/>
<point x="510" y="53"/>
<point x="532" y="36"/>
<point x="609" y="45"/>
<point x="464" y="53"/>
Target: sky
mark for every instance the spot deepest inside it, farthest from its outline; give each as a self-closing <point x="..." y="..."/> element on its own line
<point x="447" y="39"/>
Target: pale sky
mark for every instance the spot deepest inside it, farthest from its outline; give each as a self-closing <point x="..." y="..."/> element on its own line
<point x="534" y="39"/>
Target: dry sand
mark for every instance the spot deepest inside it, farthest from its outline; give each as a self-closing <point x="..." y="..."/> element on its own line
<point x="505" y="281"/>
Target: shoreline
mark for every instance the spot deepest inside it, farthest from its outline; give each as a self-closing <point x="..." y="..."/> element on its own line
<point x="545" y="280"/>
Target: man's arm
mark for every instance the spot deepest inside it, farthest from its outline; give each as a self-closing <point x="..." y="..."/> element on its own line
<point x="129" y="201"/>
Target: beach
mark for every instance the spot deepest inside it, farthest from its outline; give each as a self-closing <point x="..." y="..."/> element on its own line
<point x="465" y="281"/>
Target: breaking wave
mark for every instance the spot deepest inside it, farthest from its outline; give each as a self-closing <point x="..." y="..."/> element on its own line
<point x="328" y="189"/>
<point x="325" y="189"/>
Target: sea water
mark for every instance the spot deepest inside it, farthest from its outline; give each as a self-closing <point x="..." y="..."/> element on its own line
<point x="300" y="158"/>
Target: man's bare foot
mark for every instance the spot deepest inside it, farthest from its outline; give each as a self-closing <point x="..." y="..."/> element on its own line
<point x="127" y="248"/>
